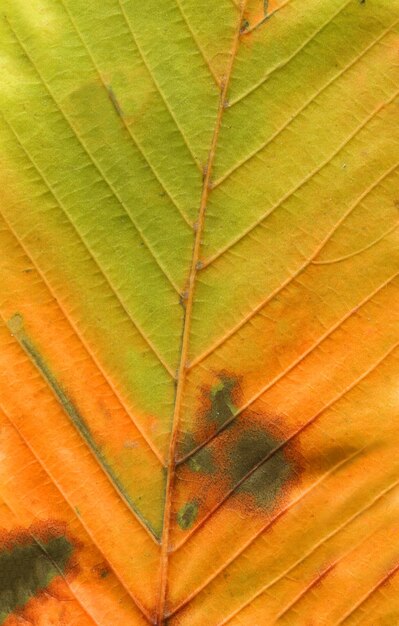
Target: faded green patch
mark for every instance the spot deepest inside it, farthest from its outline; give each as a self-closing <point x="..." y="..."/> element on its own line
<point x="27" y="569"/>
<point x="202" y="461"/>
<point x="187" y="515"/>
<point x="187" y="443"/>
<point x="16" y="326"/>
<point x="222" y="406"/>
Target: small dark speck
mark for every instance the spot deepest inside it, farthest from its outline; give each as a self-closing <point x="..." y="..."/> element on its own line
<point x="101" y="570"/>
<point x="244" y="26"/>
<point x="103" y="573"/>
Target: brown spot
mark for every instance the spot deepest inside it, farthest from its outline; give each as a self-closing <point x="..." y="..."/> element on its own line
<point x="101" y="570"/>
<point x="183" y="298"/>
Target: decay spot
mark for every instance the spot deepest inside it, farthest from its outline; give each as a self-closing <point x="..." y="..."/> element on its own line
<point x="245" y="458"/>
<point x="187" y="515"/>
<point x="243" y="455"/>
<point x="27" y="567"/>
<point x="222" y="406"/>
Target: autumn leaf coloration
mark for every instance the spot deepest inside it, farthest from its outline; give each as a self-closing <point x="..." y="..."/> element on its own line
<point x="199" y="312"/>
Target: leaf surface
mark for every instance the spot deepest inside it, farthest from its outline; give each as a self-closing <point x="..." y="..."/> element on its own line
<point x="198" y="315"/>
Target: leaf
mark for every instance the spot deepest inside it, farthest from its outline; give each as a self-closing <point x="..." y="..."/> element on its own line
<point x="199" y="329"/>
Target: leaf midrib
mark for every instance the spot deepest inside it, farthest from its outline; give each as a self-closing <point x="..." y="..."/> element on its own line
<point x="183" y="365"/>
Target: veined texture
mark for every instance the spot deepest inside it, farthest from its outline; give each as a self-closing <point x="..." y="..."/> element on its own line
<point x="199" y="304"/>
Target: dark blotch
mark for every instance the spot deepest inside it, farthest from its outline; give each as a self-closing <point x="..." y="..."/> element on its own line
<point x="259" y="466"/>
<point x="268" y="481"/>
<point x="28" y="568"/>
<point x="252" y="446"/>
<point x="187" y="515"/>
